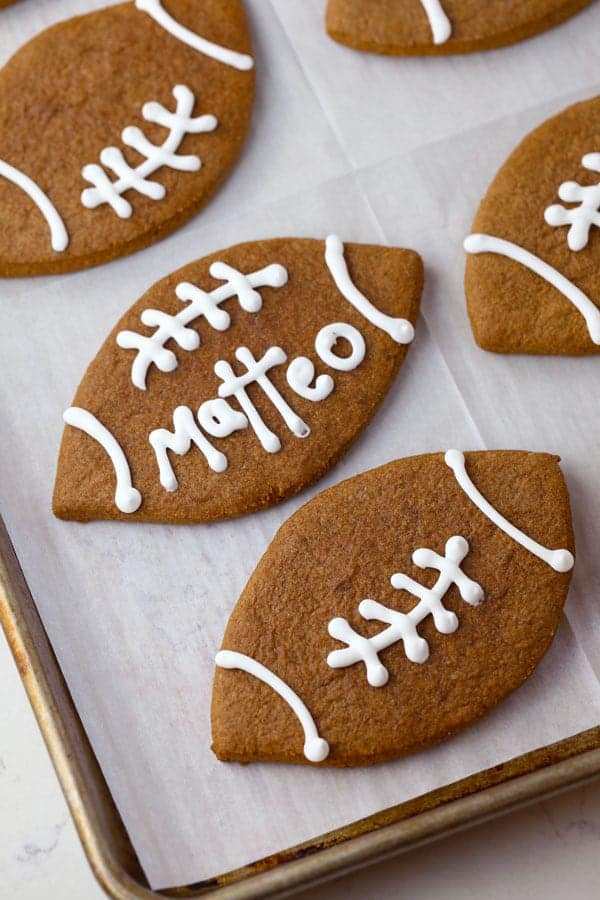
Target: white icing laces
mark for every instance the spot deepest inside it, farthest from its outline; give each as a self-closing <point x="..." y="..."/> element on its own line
<point x="441" y="28"/>
<point x="155" y="9"/>
<point x="316" y="749"/>
<point x="179" y="123"/>
<point x="486" y="243"/>
<point x="403" y="626"/>
<point x="581" y="217"/>
<point x="59" y="239"/>
<point x="127" y="498"/>
<point x="152" y="350"/>
<point x="559" y="560"/>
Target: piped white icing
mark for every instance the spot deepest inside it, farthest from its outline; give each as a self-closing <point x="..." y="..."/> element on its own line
<point x="179" y="123"/>
<point x="316" y="748"/>
<point x="328" y="337"/>
<point x="236" y="386"/>
<point x="441" y="28"/>
<point x="403" y="626"/>
<point x="59" y="238"/>
<point x="486" y="243"/>
<point x="155" y="9"/>
<point x="219" y="419"/>
<point x="559" y="560"/>
<point x="299" y="376"/>
<point x="152" y="351"/>
<point x="179" y="441"/>
<point x="127" y="498"/>
<point x="581" y="217"/>
<point x="400" y="330"/>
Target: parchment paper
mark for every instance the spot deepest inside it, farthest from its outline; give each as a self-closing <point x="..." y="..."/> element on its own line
<point x="375" y="149"/>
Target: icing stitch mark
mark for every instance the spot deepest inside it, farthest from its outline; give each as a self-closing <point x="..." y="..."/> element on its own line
<point x="485" y="243"/>
<point x="127" y="498"/>
<point x="400" y="330"/>
<point x="316" y="749"/>
<point x="559" y="560"/>
<point x="403" y="626"/>
<point x="179" y="124"/>
<point x="155" y="9"/>
<point x="152" y="351"/>
<point x="582" y="217"/>
<point x="59" y="239"/>
<point x="441" y="28"/>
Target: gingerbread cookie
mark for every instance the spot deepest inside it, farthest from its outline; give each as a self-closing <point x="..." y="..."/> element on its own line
<point x="101" y="157"/>
<point x="395" y="609"/>
<point x="237" y="381"/>
<point x="533" y="271"/>
<point x="428" y="27"/>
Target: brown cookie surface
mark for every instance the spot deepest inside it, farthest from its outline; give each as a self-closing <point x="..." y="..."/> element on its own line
<point x="533" y="285"/>
<point x="282" y="434"/>
<point x="79" y="88"/>
<point x="302" y="608"/>
<point x="428" y="27"/>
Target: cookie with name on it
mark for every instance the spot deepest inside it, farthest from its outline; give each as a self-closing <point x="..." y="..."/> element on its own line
<point x="116" y="127"/>
<point x="532" y="278"/>
<point x="438" y="27"/>
<point x="395" y="609"/>
<point x="237" y="381"/>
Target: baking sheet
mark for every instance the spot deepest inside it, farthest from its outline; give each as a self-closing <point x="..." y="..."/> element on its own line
<point x="374" y="149"/>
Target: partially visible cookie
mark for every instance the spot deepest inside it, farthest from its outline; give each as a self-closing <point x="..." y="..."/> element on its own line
<point x="393" y="610"/>
<point x="533" y="270"/>
<point x="116" y="127"/>
<point x="237" y="381"/>
<point x="428" y="27"/>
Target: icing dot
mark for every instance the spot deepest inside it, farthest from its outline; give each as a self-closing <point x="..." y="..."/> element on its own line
<point x="402" y="332"/>
<point x="446" y="623"/>
<point x="473" y="594"/>
<point x="562" y="560"/>
<point x="453" y="458"/>
<point x="316" y="749"/>
<point x="378" y="677"/>
<point x="128" y="500"/>
<point x="278" y="275"/>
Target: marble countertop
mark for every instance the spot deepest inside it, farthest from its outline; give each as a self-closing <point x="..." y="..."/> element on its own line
<point x="545" y="852"/>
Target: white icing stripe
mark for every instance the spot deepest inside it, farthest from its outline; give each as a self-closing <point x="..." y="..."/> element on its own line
<point x="486" y="243"/>
<point x="559" y="560"/>
<point x="59" y="239"/>
<point x="316" y="749"/>
<point x="155" y="9"/>
<point x="400" y="330"/>
<point x="441" y="28"/>
<point x="127" y="498"/>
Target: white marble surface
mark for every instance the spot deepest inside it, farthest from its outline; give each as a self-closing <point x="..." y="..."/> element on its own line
<point x="546" y="852"/>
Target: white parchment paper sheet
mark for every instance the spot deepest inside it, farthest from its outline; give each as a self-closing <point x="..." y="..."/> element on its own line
<point x="378" y="150"/>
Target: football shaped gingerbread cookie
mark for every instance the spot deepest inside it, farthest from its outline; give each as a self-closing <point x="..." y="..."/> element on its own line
<point x="427" y="27"/>
<point x="116" y="127"/>
<point x="395" y="609"/>
<point x="533" y="269"/>
<point x="237" y="381"/>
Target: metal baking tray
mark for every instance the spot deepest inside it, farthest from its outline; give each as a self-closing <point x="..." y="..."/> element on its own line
<point x="392" y="831"/>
